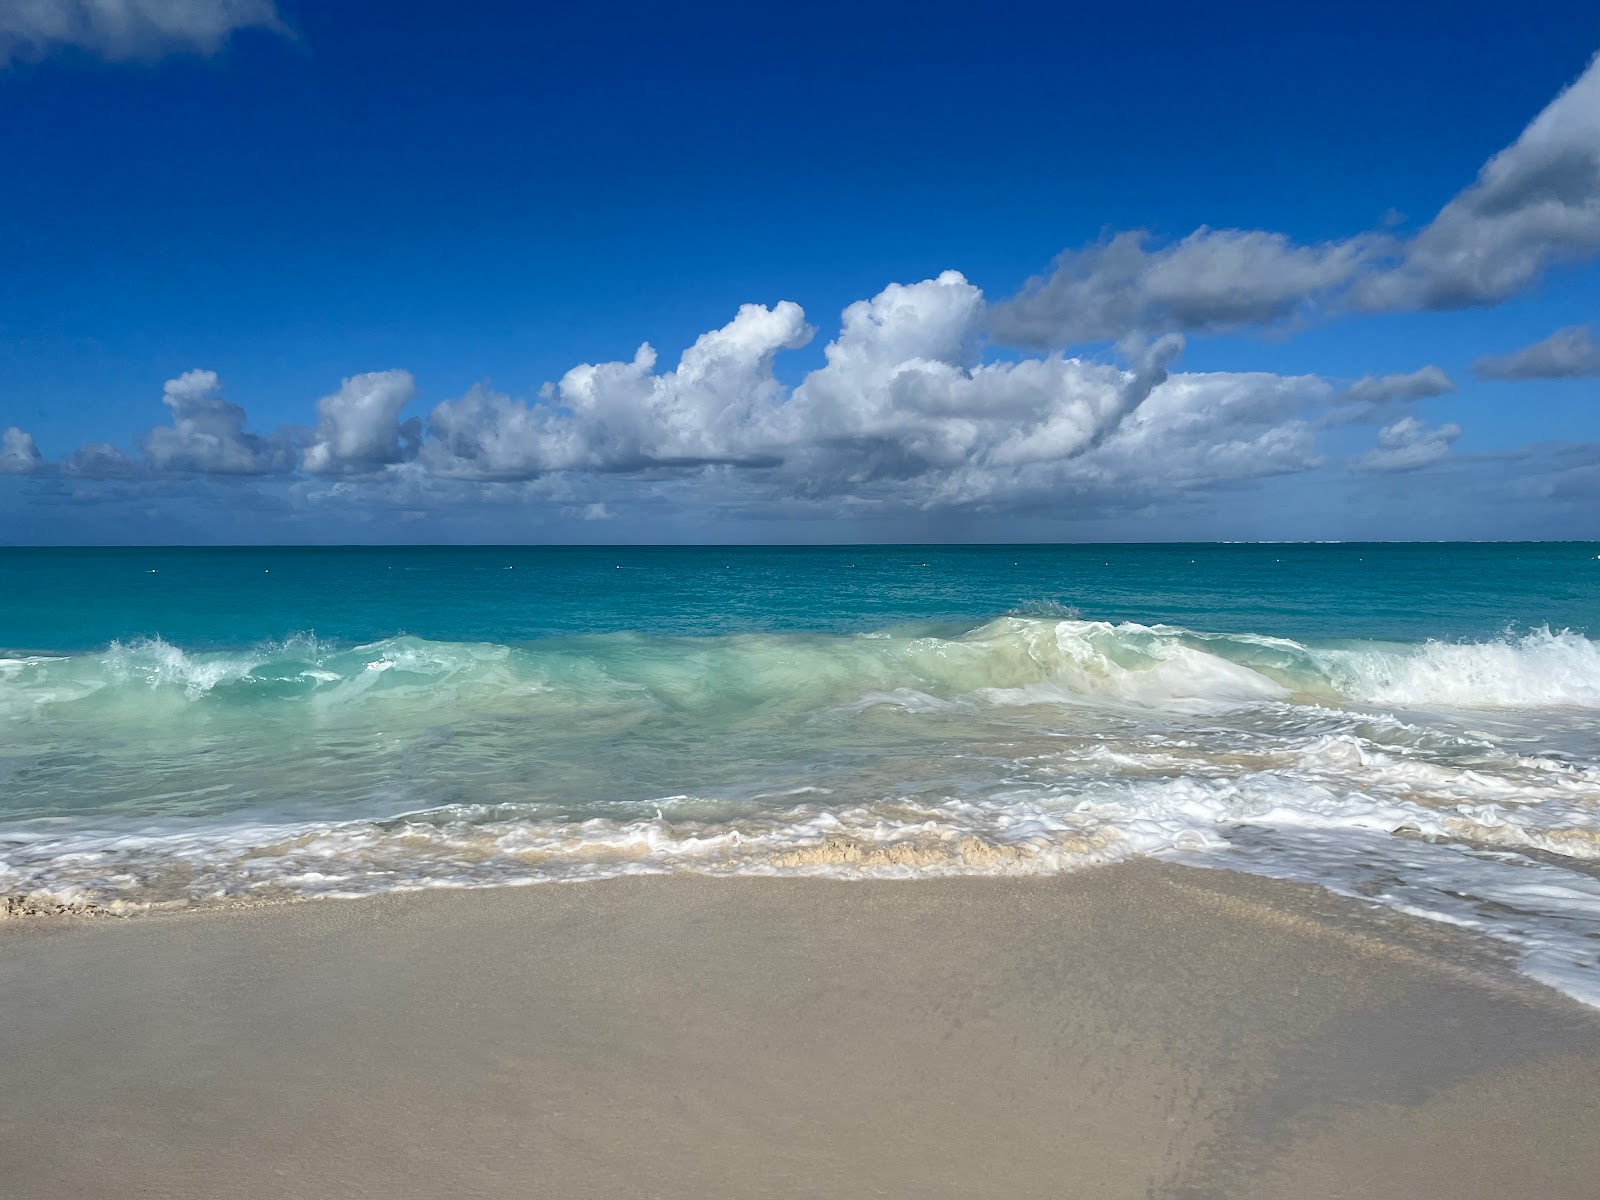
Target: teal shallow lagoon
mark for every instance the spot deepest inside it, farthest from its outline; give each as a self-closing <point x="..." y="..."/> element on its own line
<point x="1419" y="725"/>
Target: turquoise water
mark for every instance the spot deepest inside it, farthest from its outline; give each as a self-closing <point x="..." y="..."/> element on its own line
<point x="1416" y="724"/>
<point x="80" y="600"/>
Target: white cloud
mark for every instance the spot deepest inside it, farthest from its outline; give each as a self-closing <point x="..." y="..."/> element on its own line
<point x="207" y="433"/>
<point x="1378" y="399"/>
<point x="903" y="414"/>
<point x="99" y="460"/>
<point x="623" y="416"/>
<point x="18" y="453"/>
<point x="359" y="428"/>
<point x="1565" y="354"/>
<point x="902" y="392"/>
<point x="1407" y="445"/>
<point x="1212" y="279"/>
<point x="118" y="29"/>
<point x="1414" y="385"/>
<point x="1534" y="204"/>
<point x="901" y="395"/>
<point x="1204" y="429"/>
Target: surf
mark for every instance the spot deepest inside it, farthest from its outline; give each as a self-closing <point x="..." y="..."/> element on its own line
<point x="1011" y="659"/>
<point x="1438" y="776"/>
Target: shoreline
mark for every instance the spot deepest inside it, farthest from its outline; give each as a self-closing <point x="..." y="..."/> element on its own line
<point x="1140" y="1029"/>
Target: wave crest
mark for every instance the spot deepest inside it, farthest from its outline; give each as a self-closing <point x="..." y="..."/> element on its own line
<point x="1541" y="669"/>
<point x="1012" y="660"/>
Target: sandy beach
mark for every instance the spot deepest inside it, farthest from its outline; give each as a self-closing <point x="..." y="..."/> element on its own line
<point x="1140" y="1030"/>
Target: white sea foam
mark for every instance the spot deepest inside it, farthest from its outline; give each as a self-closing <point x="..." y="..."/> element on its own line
<point x="1550" y="916"/>
<point x="156" y="663"/>
<point x="151" y="774"/>
<point x="1539" y="670"/>
<point x="1313" y="811"/>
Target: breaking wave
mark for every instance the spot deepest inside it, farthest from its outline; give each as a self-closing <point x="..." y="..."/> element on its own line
<point x="1428" y="776"/>
<point x="1015" y="658"/>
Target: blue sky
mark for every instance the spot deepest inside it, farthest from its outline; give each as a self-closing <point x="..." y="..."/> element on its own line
<point x="333" y="271"/>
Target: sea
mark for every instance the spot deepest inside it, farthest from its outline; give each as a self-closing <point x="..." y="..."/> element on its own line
<point x="1416" y="725"/>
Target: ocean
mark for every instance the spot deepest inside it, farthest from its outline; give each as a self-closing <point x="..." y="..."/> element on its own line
<point x="1414" y="724"/>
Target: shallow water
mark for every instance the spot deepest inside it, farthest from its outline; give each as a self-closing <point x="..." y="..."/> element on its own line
<point x="1419" y="725"/>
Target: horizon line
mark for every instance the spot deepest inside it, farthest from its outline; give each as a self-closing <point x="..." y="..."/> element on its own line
<point x="797" y="545"/>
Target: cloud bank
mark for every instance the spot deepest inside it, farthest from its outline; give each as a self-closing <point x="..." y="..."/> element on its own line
<point x="903" y="404"/>
<point x="905" y="414"/>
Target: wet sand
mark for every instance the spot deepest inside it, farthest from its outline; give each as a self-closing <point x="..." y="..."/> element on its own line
<point x="1141" y="1030"/>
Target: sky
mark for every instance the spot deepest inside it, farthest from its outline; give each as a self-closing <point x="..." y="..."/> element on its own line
<point x="328" y="271"/>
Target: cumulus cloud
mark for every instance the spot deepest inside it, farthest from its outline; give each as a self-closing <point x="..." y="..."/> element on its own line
<point x="207" y="433"/>
<point x="118" y="29"/>
<point x="1565" y="354"/>
<point x="1409" y="444"/>
<point x="1534" y="204"/>
<point x="1205" y="429"/>
<point x="99" y="460"/>
<point x="624" y="416"/>
<point x="906" y="414"/>
<point x="18" y="453"/>
<point x="359" y="428"/>
<point x="902" y="395"/>
<point x="903" y="413"/>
